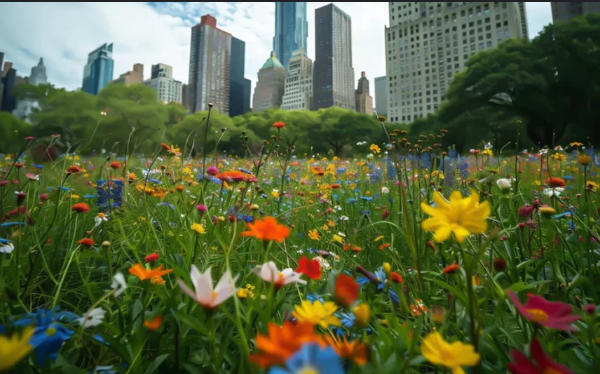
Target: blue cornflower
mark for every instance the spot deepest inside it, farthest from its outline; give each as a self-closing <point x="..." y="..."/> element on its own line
<point x="350" y="201"/>
<point x="4" y="241"/>
<point x="568" y="177"/>
<point x="311" y="358"/>
<point x="365" y="212"/>
<point x="381" y="281"/>
<point x="63" y="188"/>
<point x="366" y="198"/>
<point x="38" y="166"/>
<point x="314" y="297"/>
<point x="90" y="196"/>
<point x="155" y="181"/>
<point x="11" y="224"/>
<point x="245" y="171"/>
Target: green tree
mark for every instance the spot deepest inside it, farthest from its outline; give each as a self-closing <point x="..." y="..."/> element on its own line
<point x="13" y="132"/>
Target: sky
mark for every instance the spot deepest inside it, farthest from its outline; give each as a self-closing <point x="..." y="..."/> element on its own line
<point x="150" y="33"/>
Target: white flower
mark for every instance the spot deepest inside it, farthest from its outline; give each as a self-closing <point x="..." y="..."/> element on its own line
<point x="99" y="218"/>
<point x="323" y="262"/>
<point x="119" y="284"/>
<point x="556" y="191"/>
<point x="7" y="248"/>
<point x="344" y="218"/>
<point x="488" y="145"/>
<point x="93" y="318"/>
<point x="504" y="184"/>
<point x="269" y="273"/>
<point x="385" y="190"/>
<point x="205" y="295"/>
<point x="341" y="234"/>
<point x="543" y="151"/>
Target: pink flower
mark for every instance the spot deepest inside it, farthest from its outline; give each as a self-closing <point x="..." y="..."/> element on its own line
<point x="44" y="197"/>
<point x="202" y="208"/>
<point x="3" y="183"/>
<point x="551" y="314"/>
<point x="211" y="170"/>
<point x="29" y="138"/>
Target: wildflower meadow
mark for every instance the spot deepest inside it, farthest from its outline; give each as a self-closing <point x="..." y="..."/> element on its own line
<point x="412" y="258"/>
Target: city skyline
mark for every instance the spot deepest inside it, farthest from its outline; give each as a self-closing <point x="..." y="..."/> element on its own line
<point x="65" y="51"/>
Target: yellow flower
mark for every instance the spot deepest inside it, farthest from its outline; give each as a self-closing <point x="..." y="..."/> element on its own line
<point x="362" y="313"/>
<point x="387" y="267"/>
<point x="576" y="144"/>
<point x="559" y="157"/>
<point x="338" y="239"/>
<point x="547" y="210"/>
<point x="375" y="148"/>
<point x="451" y="355"/>
<point x="198" y="228"/>
<point x="325" y="227"/>
<point x="317" y="313"/>
<point x="461" y="216"/>
<point x="378" y="238"/>
<point x="330" y="223"/>
<point x="487" y="152"/>
<point x="590" y="185"/>
<point x="314" y="234"/>
<point x="584" y="160"/>
<point x="14" y="348"/>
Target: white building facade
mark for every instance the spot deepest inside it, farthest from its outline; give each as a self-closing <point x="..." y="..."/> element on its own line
<point x="167" y="88"/>
<point x="298" y="83"/>
<point x="428" y="43"/>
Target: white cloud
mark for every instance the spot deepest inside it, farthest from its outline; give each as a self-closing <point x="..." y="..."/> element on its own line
<point x="64" y="34"/>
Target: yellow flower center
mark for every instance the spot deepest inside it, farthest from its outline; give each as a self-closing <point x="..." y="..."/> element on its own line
<point x="100" y="215"/>
<point x="213" y="295"/>
<point x="50" y="331"/>
<point x="307" y="370"/>
<point x="538" y="315"/>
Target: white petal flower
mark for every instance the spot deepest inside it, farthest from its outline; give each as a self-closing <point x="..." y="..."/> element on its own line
<point x="7" y="248"/>
<point x="385" y="190"/>
<point x="119" y="284"/>
<point x="93" y="318"/>
<point x="269" y="273"/>
<point x="504" y="184"/>
<point x="204" y="293"/>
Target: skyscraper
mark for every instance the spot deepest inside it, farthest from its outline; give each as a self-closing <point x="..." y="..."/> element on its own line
<point x="364" y="101"/>
<point x="239" y="99"/>
<point x="247" y="89"/>
<point x="1" y="77"/>
<point x="428" y="43"/>
<point x="564" y="11"/>
<point x="333" y="74"/>
<point x="38" y="74"/>
<point x="524" y="28"/>
<point x="167" y="88"/>
<point x="381" y="101"/>
<point x="299" y="82"/>
<point x="269" y="86"/>
<point x="291" y="30"/>
<point x="98" y="71"/>
<point x="135" y="76"/>
<point x="210" y="61"/>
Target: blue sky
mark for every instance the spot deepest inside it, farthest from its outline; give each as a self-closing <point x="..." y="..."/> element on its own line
<point x="150" y="33"/>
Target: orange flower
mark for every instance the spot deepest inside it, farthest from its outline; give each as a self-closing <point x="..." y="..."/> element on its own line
<point x="556" y="182"/>
<point x="282" y="342"/>
<point x="73" y="169"/>
<point x="154" y="274"/>
<point x="346" y="290"/>
<point x="179" y="188"/>
<point x="384" y="246"/>
<point x="115" y="165"/>
<point x="279" y="125"/>
<point x="165" y="146"/>
<point x="80" y="208"/>
<point x="451" y="269"/>
<point x="353" y="350"/>
<point x="395" y="277"/>
<point x="233" y="176"/>
<point x="267" y="229"/>
<point x="356" y="248"/>
<point x="153" y="324"/>
<point x="335" y="186"/>
<point x="87" y="242"/>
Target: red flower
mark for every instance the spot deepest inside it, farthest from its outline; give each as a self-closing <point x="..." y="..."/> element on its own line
<point x="525" y="211"/>
<point x="385" y="214"/>
<point x="395" y="277"/>
<point x="16" y="211"/>
<point x="279" y="125"/>
<point x="499" y="264"/>
<point x="73" y="169"/>
<point x="554" y="315"/>
<point x="451" y="269"/>
<point x="384" y="246"/>
<point x="115" y="165"/>
<point x="19" y="165"/>
<point x="310" y="268"/>
<point x="556" y="182"/>
<point x="335" y="186"/>
<point x="346" y="290"/>
<point x="80" y="208"/>
<point x="88" y="242"/>
<point x="543" y="363"/>
<point x="152" y="257"/>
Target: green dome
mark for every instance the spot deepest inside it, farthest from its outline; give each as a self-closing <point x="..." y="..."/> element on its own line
<point x="272" y="62"/>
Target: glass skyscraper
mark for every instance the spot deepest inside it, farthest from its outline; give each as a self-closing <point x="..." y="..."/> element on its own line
<point x="98" y="71"/>
<point x="291" y="30"/>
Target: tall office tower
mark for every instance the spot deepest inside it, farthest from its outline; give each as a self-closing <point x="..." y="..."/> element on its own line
<point x="565" y="11"/>
<point x="98" y="71"/>
<point x="364" y="101"/>
<point x="268" y="92"/>
<point x="1" y="77"/>
<point x="210" y="60"/>
<point x="428" y="43"/>
<point x="247" y="89"/>
<point x="524" y="28"/>
<point x="167" y="88"/>
<point x="239" y="99"/>
<point x="299" y="82"/>
<point x="184" y="96"/>
<point x="38" y="74"/>
<point x="291" y="30"/>
<point x="135" y="76"/>
<point x="381" y="101"/>
<point x="333" y="74"/>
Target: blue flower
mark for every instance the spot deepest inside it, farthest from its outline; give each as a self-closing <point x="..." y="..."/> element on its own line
<point x="4" y="241"/>
<point x="90" y="196"/>
<point x="155" y="181"/>
<point x="350" y="201"/>
<point x="38" y="166"/>
<point x="366" y="198"/>
<point x="310" y="358"/>
<point x="245" y="171"/>
<point x="313" y="297"/>
<point x="10" y="224"/>
<point x="67" y="189"/>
